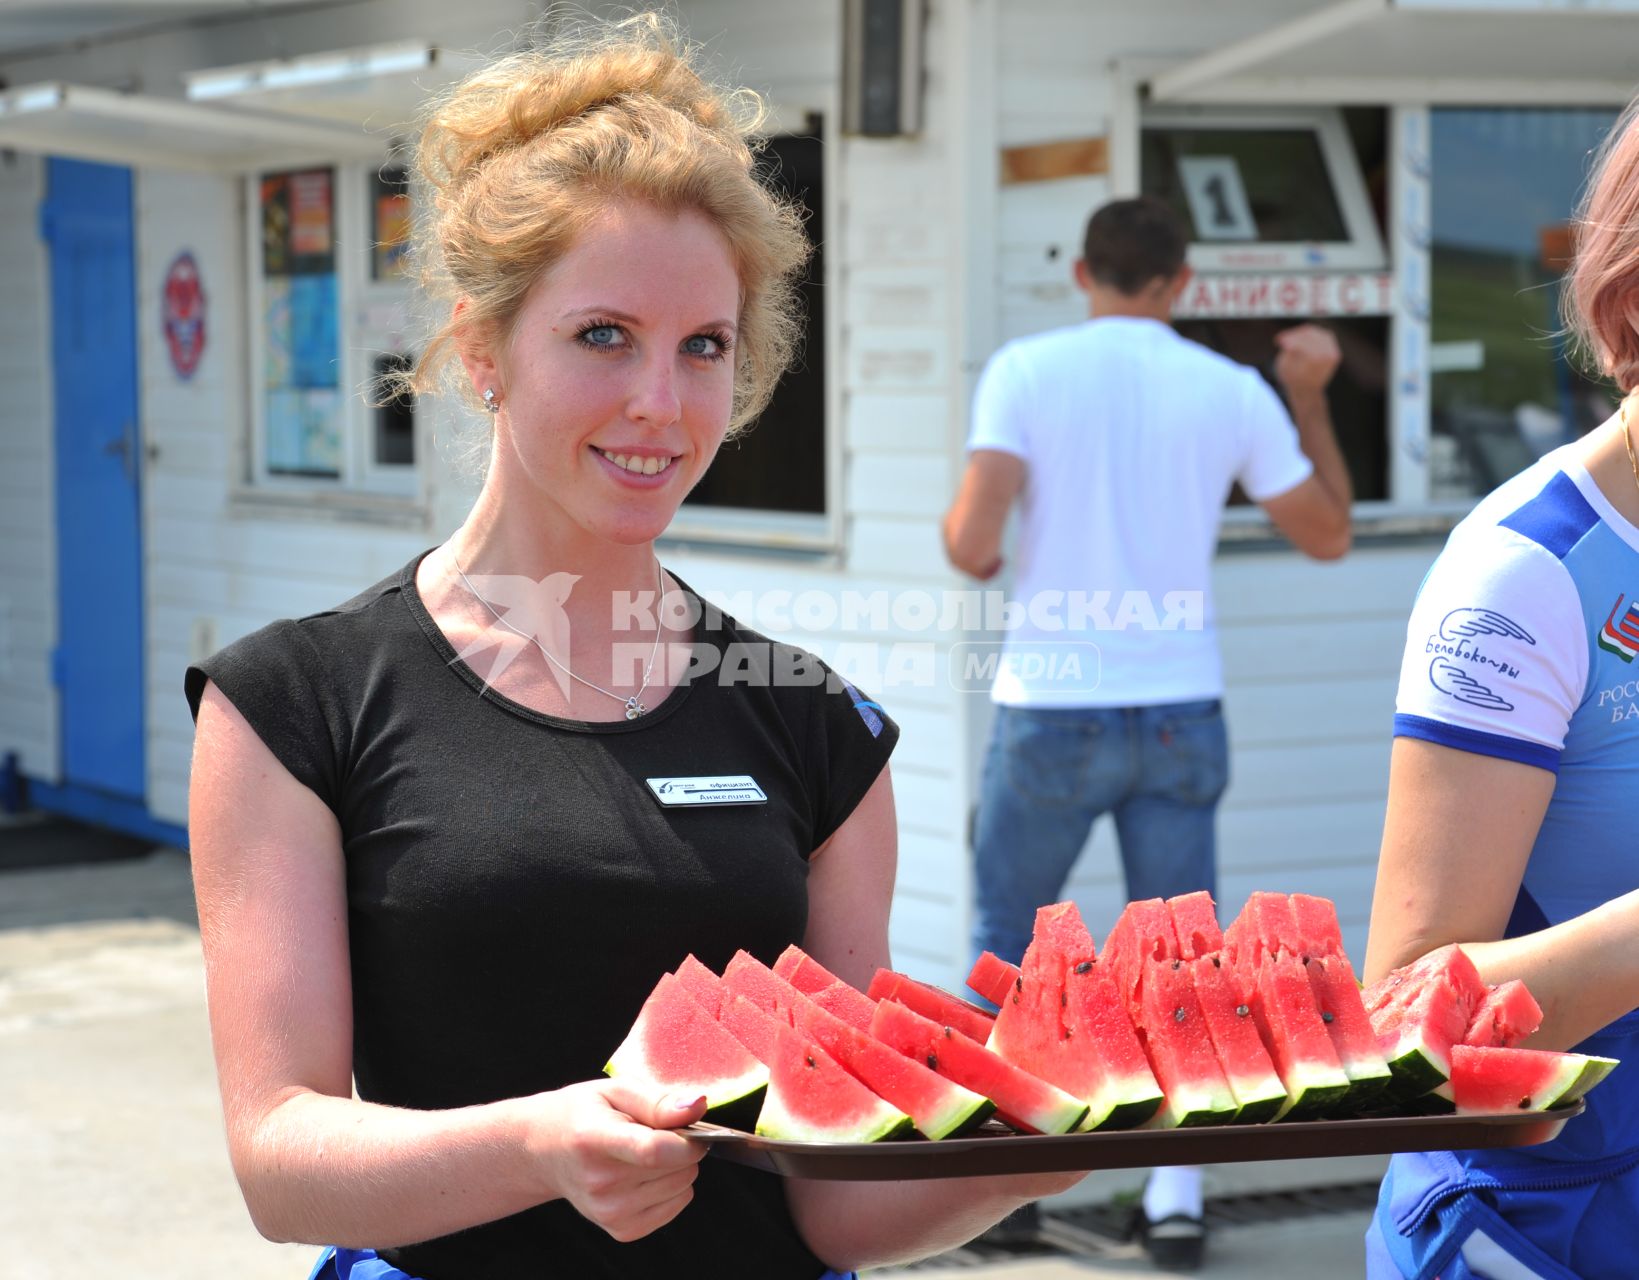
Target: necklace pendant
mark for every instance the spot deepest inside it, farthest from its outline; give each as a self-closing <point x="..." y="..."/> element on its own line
<point x="634" y="708"/>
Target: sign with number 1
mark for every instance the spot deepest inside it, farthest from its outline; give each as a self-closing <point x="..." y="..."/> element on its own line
<point x="1217" y="198"/>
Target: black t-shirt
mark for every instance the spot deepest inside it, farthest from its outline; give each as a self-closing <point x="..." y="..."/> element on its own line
<point x="514" y="889"/>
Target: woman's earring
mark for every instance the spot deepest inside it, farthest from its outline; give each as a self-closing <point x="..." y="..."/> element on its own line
<point x="490" y="402"/>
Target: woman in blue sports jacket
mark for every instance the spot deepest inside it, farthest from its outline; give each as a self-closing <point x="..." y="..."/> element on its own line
<point x="1513" y="799"/>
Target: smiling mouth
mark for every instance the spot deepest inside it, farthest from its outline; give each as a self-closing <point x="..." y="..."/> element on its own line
<point x="637" y="465"/>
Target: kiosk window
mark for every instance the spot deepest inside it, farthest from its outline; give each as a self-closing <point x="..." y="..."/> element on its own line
<point x="1505" y="183"/>
<point x="1244" y="184"/>
<point x="779" y="464"/>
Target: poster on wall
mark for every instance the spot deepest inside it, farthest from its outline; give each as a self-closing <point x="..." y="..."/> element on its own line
<point x="182" y="315"/>
<point x="390" y="224"/>
<point x="301" y="366"/>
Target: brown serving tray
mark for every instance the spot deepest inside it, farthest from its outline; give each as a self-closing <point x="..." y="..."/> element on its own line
<point x="995" y="1149"/>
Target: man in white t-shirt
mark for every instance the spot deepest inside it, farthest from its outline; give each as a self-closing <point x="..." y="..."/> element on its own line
<point x="1119" y="440"/>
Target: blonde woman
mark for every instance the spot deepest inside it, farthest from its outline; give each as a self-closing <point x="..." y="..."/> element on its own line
<point x="1513" y="793"/>
<point x="442" y="879"/>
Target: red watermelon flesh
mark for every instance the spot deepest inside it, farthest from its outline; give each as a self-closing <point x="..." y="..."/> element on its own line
<point x="749" y="977"/>
<point x="1096" y="1014"/>
<point x="931" y="1002"/>
<point x="992" y="977"/>
<point x="938" y="1107"/>
<point x="751" y="1027"/>
<point x="1289" y="1023"/>
<point x="1021" y="1099"/>
<point x="1042" y="1030"/>
<point x="1143" y="931"/>
<point x="1195" y="922"/>
<point x="1318" y="933"/>
<point x="1259" y="1094"/>
<point x="802" y="971"/>
<point x="812" y="1099"/>
<point x="851" y="1005"/>
<point x="1507" y="1015"/>
<point x="677" y="1045"/>
<point x="1337" y="996"/>
<point x="1175" y="1036"/>
<point x="1488" y="1080"/>
<point x="1419" y="1011"/>
<point x="701" y="983"/>
<point x="1265" y="927"/>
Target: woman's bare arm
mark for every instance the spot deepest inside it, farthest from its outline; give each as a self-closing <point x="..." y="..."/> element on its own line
<point x="315" y="1164"/>
<point x="1456" y="838"/>
<point x="858" y="1224"/>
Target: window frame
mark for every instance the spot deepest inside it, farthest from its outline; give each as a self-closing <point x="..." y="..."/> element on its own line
<point x="358" y="295"/>
<point x="1363" y="250"/>
<point x="759" y="529"/>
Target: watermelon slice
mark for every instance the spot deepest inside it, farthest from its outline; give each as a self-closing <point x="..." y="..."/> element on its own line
<point x="1195" y="921"/>
<point x="1143" y="931"/>
<point x="812" y="1099"/>
<point x="1318" y="933"/>
<point x="930" y="1002"/>
<point x="1174" y="1031"/>
<point x="1259" y="1094"/>
<point x="1021" y="1099"/>
<point x="749" y="977"/>
<point x="1485" y="1081"/>
<point x="1418" y="1012"/>
<point x="1283" y="1006"/>
<point x="1265" y="927"/>
<point x="853" y="1006"/>
<point x="677" y="1045"/>
<point x="701" y="983"/>
<point x="1089" y="1051"/>
<point x="751" y="1027"/>
<point x="1507" y="1015"/>
<point x="993" y="978"/>
<point x="1337" y="996"/>
<point x="802" y="971"/>
<point x="938" y="1107"/>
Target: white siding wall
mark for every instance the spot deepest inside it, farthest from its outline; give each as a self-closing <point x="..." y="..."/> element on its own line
<point x="214" y="571"/>
<point x="28" y="559"/>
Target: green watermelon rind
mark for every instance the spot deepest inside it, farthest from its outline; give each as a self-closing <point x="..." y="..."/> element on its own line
<point x="777" y="1122"/>
<point x="629" y="1064"/>
<point x="1258" y="1099"/>
<point x="1206" y="1108"/>
<point x="1594" y="1070"/>
<point x="1122" y="1104"/>
<point x="1414" y="1068"/>
<point x="1314" y="1099"/>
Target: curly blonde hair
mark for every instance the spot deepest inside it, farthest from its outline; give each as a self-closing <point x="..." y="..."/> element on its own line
<point x="522" y="156"/>
<point x="1600" y="300"/>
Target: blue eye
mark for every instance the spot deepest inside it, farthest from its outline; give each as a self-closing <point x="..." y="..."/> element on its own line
<point x="601" y="335"/>
<point x="701" y="345"/>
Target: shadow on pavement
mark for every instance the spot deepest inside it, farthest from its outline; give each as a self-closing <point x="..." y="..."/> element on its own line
<point x="54" y="871"/>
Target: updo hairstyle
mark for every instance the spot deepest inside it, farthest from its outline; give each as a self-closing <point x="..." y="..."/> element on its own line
<point x="1601" y="298"/>
<point x="524" y="155"/>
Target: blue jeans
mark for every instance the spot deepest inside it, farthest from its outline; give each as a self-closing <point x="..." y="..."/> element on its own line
<point x="1049" y="774"/>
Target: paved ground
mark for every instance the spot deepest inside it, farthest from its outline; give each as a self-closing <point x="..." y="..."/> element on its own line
<point x="111" y="1152"/>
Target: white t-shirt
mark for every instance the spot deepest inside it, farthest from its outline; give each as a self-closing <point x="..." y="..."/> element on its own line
<point x="1133" y="436"/>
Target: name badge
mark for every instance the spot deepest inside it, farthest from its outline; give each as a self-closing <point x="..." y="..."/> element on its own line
<point x="738" y="788"/>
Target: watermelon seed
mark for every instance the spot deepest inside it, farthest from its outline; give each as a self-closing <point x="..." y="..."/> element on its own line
<point x="1064" y="1000"/>
<point x="1178" y="1014"/>
<point x="933" y="1062"/>
<point x="1177" y="965"/>
<point x="1325" y="1017"/>
<point x="1018" y="983"/>
<point x="1241" y="1011"/>
<point x="1525" y="1104"/>
<point x="1086" y="966"/>
<point x="947" y="1032"/>
<point x="809" y="1061"/>
<point x="1217" y="963"/>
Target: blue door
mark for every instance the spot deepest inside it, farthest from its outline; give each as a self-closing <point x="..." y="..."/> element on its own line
<point x="87" y="223"/>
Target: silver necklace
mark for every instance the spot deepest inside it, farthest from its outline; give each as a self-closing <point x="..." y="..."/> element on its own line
<point x="634" y="704"/>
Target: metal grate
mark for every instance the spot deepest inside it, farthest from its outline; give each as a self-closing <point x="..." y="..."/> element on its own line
<point x="1104" y="1230"/>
